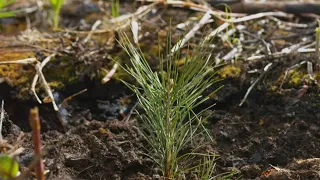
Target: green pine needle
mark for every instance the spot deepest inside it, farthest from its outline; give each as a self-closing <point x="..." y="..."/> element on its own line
<point x="168" y="98"/>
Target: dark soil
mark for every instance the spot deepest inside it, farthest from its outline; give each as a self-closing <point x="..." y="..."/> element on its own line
<point x="270" y="130"/>
<point x="272" y="136"/>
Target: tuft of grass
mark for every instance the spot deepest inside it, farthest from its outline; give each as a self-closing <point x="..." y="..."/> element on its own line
<point x="56" y="6"/>
<point x="168" y="98"/>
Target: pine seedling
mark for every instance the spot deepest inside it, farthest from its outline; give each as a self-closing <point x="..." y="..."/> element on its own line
<point x="56" y="6"/>
<point x="115" y="8"/>
<point x="168" y="98"/>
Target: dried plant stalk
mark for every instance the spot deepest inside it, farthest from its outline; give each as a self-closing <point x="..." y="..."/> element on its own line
<point x="34" y="122"/>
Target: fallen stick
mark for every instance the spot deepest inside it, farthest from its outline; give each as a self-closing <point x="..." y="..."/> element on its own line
<point x="293" y="7"/>
<point x="265" y="70"/>
<point x="194" y="6"/>
<point x="46" y="85"/>
<point x="256" y="16"/>
<point x="72" y="96"/>
<point x="216" y="31"/>
<point x="36" y="77"/>
<point x="294" y="49"/>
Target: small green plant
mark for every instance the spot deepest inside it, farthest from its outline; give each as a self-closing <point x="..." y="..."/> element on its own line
<point x="168" y="98"/>
<point x="230" y="40"/>
<point x="9" y="167"/>
<point x="56" y="6"/>
<point x="115" y="8"/>
<point x="3" y="5"/>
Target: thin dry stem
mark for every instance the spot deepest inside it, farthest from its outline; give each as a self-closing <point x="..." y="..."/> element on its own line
<point x="45" y="84"/>
<point x="265" y="70"/>
<point x="34" y="121"/>
<point x="1" y="120"/>
<point x="110" y="74"/>
<point x="36" y="77"/>
<point x="204" y="20"/>
<point x="94" y="27"/>
<point x="73" y="95"/>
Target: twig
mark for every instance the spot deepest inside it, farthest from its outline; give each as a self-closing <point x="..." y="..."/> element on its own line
<point x="110" y="74"/>
<point x="216" y="31"/>
<point x="34" y="121"/>
<point x="193" y="6"/>
<point x="294" y="7"/>
<point x="231" y="54"/>
<point x="73" y="95"/>
<point x="255" y="16"/>
<point x="123" y="20"/>
<point x="35" y="78"/>
<point x="267" y="45"/>
<point x="94" y="27"/>
<point x="1" y="120"/>
<point x="204" y="20"/>
<point x="21" y="61"/>
<point x="306" y="50"/>
<point x="131" y="112"/>
<point x="297" y="25"/>
<point x="284" y="52"/>
<point x="46" y="86"/>
<point x="265" y="70"/>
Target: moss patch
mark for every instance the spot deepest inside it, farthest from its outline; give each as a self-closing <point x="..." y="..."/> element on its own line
<point x="229" y="71"/>
<point x="16" y="74"/>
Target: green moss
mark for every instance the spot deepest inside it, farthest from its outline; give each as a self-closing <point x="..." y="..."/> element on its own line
<point x="16" y="75"/>
<point x="229" y="71"/>
<point x="61" y="73"/>
<point x="56" y="84"/>
<point x="295" y="77"/>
